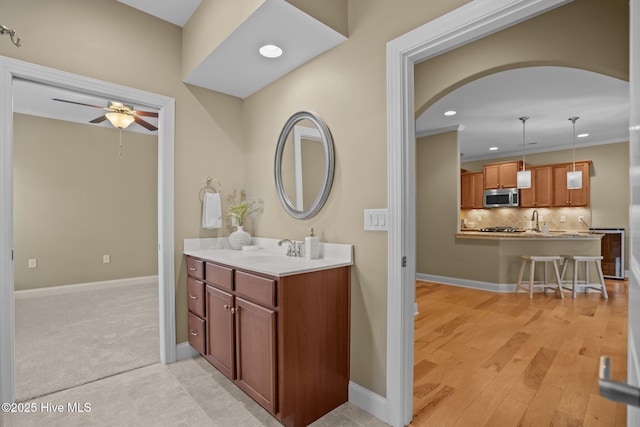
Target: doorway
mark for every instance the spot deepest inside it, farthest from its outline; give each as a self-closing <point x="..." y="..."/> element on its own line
<point x="463" y="25"/>
<point x="10" y="69"/>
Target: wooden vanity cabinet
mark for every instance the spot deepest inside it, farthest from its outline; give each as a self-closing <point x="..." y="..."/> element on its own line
<point x="219" y="331"/>
<point x="563" y="197"/>
<point x="196" y="304"/>
<point x="501" y="175"/>
<point x="539" y="195"/>
<point x="283" y="341"/>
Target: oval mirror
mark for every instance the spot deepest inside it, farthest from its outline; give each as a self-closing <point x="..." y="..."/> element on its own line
<point x="304" y="165"/>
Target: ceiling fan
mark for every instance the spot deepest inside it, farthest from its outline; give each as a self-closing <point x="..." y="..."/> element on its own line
<point x="120" y="115"/>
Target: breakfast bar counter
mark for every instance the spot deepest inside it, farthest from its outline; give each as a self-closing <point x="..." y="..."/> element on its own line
<point x="529" y="235"/>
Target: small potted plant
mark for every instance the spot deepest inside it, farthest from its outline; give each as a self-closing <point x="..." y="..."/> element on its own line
<point x="239" y="209"/>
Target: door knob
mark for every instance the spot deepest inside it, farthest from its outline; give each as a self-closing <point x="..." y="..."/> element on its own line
<point x="616" y="391"/>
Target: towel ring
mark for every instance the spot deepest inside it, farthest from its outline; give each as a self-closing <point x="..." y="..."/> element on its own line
<point x="207" y="188"/>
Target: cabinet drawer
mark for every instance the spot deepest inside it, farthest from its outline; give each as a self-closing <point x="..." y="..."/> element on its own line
<point x="195" y="296"/>
<point x="195" y="268"/>
<point x="220" y="276"/>
<point x="256" y="288"/>
<point x="196" y="333"/>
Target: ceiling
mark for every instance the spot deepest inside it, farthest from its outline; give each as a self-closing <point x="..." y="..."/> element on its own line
<point x="488" y="110"/>
<point x="235" y="67"/>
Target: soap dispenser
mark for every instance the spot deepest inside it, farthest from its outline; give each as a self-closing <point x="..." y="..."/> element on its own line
<point x="311" y="246"/>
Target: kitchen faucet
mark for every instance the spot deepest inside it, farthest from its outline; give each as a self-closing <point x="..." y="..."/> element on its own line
<point x="535" y="214"/>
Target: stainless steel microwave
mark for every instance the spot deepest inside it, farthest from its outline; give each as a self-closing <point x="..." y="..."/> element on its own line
<point x="502" y="198"/>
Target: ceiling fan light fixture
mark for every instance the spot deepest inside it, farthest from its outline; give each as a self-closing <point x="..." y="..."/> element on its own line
<point x="120" y="120"/>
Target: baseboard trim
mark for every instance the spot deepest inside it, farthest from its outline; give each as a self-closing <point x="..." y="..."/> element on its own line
<point x="368" y="401"/>
<point x="185" y="351"/>
<point x="464" y="283"/>
<point x="65" y="289"/>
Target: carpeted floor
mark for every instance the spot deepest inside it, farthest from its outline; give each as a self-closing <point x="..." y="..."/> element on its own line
<point x="63" y="341"/>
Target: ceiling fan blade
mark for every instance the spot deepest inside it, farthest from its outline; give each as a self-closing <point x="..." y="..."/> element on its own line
<point x="145" y="124"/>
<point x="146" y="113"/>
<point x="78" y="103"/>
<point x="99" y="119"/>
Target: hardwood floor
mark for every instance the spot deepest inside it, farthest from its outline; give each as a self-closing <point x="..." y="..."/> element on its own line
<point x="489" y="359"/>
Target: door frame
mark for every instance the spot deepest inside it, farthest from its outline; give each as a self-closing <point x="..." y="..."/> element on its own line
<point x="466" y="24"/>
<point x="11" y="68"/>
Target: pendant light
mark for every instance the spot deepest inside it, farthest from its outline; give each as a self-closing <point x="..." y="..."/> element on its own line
<point x="523" y="177"/>
<point x="574" y="177"/>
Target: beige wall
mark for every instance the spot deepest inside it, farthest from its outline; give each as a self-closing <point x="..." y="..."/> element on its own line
<point x="234" y="141"/>
<point x="76" y="199"/>
<point x="587" y="34"/>
<point x="77" y="35"/>
<point x="210" y="24"/>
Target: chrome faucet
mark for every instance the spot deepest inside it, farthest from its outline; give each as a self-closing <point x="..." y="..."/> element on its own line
<point x="535" y="214"/>
<point x="293" y="249"/>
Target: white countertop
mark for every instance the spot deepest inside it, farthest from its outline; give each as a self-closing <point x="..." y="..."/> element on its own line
<point x="267" y="257"/>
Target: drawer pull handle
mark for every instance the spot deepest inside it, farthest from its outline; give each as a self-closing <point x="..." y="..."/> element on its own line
<point x="233" y="310"/>
<point x="192" y="332"/>
<point x="192" y="269"/>
<point x="192" y="296"/>
<point x="226" y="307"/>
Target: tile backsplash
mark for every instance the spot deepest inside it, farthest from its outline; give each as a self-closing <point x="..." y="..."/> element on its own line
<point x="516" y="217"/>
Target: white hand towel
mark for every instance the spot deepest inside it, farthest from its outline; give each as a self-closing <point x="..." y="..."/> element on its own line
<point x="211" y="211"/>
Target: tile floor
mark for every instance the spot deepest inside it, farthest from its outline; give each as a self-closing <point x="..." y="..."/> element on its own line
<point x="188" y="393"/>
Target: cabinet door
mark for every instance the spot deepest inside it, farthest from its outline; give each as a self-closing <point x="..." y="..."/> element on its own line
<point x="509" y="175"/>
<point x="565" y="197"/>
<point x="478" y="191"/>
<point x="491" y="177"/>
<point x="580" y="196"/>
<point x="539" y="195"/>
<point x="466" y="191"/>
<point x="560" y="191"/>
<point x="471" y="190"/>
<point x="219" y="330"/>
<point x="542" y="180"/>
<point x="256" y="352"/>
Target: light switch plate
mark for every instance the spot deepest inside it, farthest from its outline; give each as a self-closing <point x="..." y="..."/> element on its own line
<point x="33" y="263"/>
<point x="376" y="219"/>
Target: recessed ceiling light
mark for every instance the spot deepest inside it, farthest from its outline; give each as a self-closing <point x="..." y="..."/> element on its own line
<point x="582" y="135"/>
<point x="450" y="113"/>
<point x="493" y="148"/>
<point x="270" y="51"/>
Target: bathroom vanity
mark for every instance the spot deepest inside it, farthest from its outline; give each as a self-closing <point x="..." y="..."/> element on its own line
<point x="277" y="326"/>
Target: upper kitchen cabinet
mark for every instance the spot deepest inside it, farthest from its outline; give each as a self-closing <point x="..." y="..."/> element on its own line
<point x="501" y="175"/>
<point x="565" y="197"/>
<point x="539" y="195"/>
<point x="471" y="190"/>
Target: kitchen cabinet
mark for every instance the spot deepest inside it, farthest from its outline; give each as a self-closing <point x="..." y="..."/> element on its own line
<point x="501" y="175"/>
<point x="563" y="197"/>
<point x="539" y="195"/>
<point x="471" y="190"/>
<point x="284" y="341"/>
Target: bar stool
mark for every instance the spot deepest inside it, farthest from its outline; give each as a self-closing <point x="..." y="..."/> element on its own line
<point x="577" y="259"/>
<point x="544" y="284"/>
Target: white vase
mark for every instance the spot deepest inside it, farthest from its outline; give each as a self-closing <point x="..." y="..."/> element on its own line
<point x="239" y="238"/>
